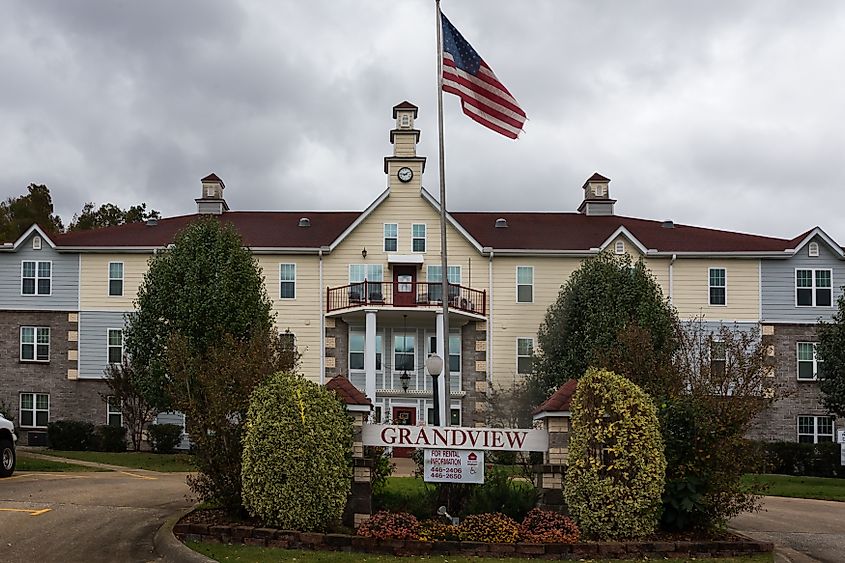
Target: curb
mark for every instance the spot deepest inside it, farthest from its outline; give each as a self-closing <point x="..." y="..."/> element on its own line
<point x="168" y="548"/>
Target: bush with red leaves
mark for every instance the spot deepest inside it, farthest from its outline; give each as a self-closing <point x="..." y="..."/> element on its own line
<point x="545" y="526"/>
<point x="386" y="525"/>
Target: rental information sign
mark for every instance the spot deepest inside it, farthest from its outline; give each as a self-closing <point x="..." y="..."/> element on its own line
<point x="454" y="466"/>
<point x="456" y="438"/>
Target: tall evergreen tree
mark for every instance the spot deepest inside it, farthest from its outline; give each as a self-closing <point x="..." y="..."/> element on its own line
<point x="17" y="214"/>
<point x="831" y="349"/>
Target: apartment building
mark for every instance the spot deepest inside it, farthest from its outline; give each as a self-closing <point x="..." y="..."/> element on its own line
<point x="361" y="293"/>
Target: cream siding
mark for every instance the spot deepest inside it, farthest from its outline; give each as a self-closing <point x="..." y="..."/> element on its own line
<point x="94" y="290"/>
<point x="691" y="288"/>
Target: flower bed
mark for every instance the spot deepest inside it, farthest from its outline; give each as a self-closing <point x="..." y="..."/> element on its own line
<point x="289" y="539"/>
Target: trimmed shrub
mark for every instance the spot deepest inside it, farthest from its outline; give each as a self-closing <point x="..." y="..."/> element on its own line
<point x="806" y="460"/>
<point x="391" y="526"/>
<point x="110" y="439"/>
<point x="438" y="530"/>
<point x="164" y="437"/>
<point x="615" y="478"/>
<point x="297" y="449"/>
<point x="489" y="528"/>
<point x="545" y="526"/>
<point x="71" y="435"/>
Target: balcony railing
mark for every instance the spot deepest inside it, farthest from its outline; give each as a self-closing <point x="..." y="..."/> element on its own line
<point x="410" y="294"/>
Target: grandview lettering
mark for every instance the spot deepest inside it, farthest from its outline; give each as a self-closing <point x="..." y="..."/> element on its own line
<point x="501" y="439"/>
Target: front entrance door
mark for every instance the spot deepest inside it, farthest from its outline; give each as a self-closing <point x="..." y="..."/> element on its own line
<point x="404" y="285"/>
<point x="404" y="416"/>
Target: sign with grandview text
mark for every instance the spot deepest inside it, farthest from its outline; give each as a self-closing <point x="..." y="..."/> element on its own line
<point x="453" y="466"/>
<point x="456" y="438"/>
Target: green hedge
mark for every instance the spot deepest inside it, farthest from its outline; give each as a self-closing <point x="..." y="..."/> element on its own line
<point x="71" y="435"/>
<point x="811" y="460"/>
<point x="164" y="437"/>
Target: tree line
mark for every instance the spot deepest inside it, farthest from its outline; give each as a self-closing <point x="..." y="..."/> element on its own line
<point x="17" y="214"/>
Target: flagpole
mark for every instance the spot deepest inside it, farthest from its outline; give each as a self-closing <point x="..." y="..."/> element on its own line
<point x="447" y="387"/>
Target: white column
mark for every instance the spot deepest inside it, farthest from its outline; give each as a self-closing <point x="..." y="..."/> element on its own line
<point x="444" y="393"/>
<point x="370" y="355"/>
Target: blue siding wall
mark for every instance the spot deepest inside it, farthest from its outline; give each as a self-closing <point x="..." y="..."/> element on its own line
<point x="65" y="283"/>
<point x="93" y="341"/>
<point x="778" y="281"/>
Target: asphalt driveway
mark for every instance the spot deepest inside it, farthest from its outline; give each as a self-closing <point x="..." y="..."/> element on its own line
<point x="92" y="517"/>
<point x="803" y="529"/>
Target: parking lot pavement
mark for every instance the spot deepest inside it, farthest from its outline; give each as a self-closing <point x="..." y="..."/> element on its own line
<point x="86" y="516"/>
<point x="808" y="530"/>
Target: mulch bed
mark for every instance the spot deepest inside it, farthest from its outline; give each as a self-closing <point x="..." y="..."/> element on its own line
<point x="214" y="525"/>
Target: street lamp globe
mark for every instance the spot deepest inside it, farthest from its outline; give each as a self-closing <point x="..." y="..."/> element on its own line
<point x="434" y="365"/>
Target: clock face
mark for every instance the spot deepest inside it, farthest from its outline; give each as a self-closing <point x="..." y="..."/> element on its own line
<point x="405" y="174"/>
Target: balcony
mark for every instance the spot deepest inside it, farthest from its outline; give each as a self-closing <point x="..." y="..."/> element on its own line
<point x="399" y="294"/>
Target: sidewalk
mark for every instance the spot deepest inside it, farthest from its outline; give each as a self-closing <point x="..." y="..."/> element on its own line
<point x="31" y="452"/>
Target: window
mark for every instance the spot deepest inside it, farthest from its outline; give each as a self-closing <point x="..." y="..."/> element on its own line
<point x="377" y="415"/>
<point x="525" y="284"/>
<point x="815" y="429"/>
<point x="288" y="341"/>
<point x="813" y="249"/>
<point x="35" y="344"/>
<point x="36" y="243"/>
<point x="404" y="357"/>
<point x="115" y="345"/>
<point x="718" y="286"/>
<point x="620" y="247"/>
<point x="115" y="279"/>
<point x="418" y="238"/>
<point x="435" y="276"/>
<point x="287" y="281"/>
<point x="454" y="351"/>
<point x="718" y="358"/>
<point x="810" y="366"/>
<point x="114" y="415"/>
<point x="35" y="410"/>
<point x="356" y="350"/>
<point x="369" y="272"/>
<point x="36" y="277"/>
<point x="524" y="355"/>
<point x="454" y="416"/>
<point x="391" y="237"/>
<point x="813" y="288"/>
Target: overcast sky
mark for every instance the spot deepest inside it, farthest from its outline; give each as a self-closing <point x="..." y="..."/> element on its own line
<point x="720" y="113"/>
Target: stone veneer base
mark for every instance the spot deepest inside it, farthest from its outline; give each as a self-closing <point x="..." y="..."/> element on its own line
<point x="287" y="539"/>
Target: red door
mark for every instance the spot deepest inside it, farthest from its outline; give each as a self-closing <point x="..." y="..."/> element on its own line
<point x="404" y="285"/>
<point x="404" y="416"/>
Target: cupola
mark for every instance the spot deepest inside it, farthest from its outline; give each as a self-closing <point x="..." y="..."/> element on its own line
<point x="596" y="196"/>
<point x="211" y="201"/>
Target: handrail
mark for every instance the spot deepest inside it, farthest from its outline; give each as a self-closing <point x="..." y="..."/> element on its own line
<point x="409" y="294"/>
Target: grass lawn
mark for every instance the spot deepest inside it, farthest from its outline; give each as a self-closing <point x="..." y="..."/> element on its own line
<point x="822" y="488"/>
<point x="24" y="463"/>
<point x="249" y="554"/>
<point x="136" y="460"/>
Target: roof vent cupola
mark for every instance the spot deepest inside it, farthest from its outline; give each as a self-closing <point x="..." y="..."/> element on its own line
<point x="211" y="202"/>
<point x="597" y="196"/>
<point x="501" y="223"/>
<point x="404" y="167"/>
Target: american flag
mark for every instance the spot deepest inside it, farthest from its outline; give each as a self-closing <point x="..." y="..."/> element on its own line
<point x="483" y="97"/>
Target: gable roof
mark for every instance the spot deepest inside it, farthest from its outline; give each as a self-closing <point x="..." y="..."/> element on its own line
<point x="34" y="228"/>
<point x="804" y="239"/>
<point x="560" y="399"/>
<point x="259" y="229"/>
<point x="578" y="232"/>
<point x="347" y="392"/>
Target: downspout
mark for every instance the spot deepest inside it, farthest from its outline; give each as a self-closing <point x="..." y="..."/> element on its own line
<point x="490" y="323"/>
<point x="671" y="280"/>
<point x="322" y="324"/>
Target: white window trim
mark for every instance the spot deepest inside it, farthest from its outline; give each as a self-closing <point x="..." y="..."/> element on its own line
<point x="281" y="281"/>
<point x="109" y="346"/>
<point x="110" y="279"/>
<point x="349" y="352"/>
<point x="366" y="270"/>
<point x="36" y="294"/>
<point x="516" y="343"/>
<point x="35" y="344"/>
<point x="815" y="434"/>
<point x="813" y="250"/>
<point x="424" y="238"/>
<point x="110" y="412"/>
<point x="518" y="284"/>
<point x="384" y="237"/>
<point x="395" y="372"/>
<point x="709" y="271"/>
<point x="429" y="335"/>
<point x="35" y="410"/>
<point x="816" y="363"/>
<point x="619" y="247"/>
<point x="813" y="288"/>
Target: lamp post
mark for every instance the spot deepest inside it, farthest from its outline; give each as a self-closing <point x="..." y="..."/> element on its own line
<point x="434" y="365"/>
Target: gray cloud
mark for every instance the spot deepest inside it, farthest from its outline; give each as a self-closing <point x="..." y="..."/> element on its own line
<point x="725" y="114"/>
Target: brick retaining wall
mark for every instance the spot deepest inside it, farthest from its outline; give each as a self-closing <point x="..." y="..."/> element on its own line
<point x="287" y="539"/>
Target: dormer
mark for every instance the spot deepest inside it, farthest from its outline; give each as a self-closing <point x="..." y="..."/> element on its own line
<point x="211" y="202"/>
<point x="597" y="196"/>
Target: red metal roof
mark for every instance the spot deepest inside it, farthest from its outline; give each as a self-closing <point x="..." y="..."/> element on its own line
<point x="576" y="231"/>
<point x="211" y="178"/>
<point x="560" y="399"/>
<point x="257" y="228"/>
<point x="347" y="392"/>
